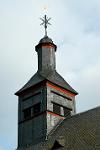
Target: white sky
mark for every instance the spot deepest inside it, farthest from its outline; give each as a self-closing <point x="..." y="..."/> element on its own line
<point x="76" y="32"/>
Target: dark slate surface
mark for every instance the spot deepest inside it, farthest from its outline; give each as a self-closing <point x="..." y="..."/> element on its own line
<point x="53" y="77"/>
<point x="33" y="81"/>
<point x="80" y="132"/>
<point x="46" y="39"/>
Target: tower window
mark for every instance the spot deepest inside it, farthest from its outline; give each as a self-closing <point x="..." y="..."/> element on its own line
<point x="27" y="113"/>
<point x="32" y="111"/>
<point x="56" y="108"/>
<point x="67" y="112"/>
<point x="36" y="109"/>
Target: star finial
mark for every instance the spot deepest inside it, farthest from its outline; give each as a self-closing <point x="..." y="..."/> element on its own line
<point x="45" y="23"/>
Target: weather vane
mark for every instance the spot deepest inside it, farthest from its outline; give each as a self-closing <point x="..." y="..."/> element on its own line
<point x="45" y="23"/>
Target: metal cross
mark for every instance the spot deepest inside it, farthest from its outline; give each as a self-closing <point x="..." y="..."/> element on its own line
<point x="45" y="23"/>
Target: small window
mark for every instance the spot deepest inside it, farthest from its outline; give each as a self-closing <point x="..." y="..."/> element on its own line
<point x="27" y="113"/>
<point x="36" y="109"/>
<point x="67" y="112"/>
<point x="56" y="108"/>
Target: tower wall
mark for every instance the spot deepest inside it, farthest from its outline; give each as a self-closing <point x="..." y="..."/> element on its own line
<point x="36" y="128"/>
<point x="32" y="129"/>
<point x="46" y="58"/>
<point x="55" y="96"/>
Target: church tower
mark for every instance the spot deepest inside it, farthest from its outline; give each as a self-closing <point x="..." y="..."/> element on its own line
<point x="46" y="99"/>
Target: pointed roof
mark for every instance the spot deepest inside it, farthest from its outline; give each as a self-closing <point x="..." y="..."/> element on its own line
<point x="53" y="77"/>
<point x="46" y="39"/>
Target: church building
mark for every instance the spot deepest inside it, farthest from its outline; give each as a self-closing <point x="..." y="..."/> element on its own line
<point x="47" y="118"/>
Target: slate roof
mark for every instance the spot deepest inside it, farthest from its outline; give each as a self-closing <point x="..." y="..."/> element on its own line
<point x="79" y="132"/>
<point x="53" y="77"/>
<point x="46" y="39"/>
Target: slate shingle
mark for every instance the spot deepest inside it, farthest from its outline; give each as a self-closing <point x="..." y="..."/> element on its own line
<point x="53" y="77"/>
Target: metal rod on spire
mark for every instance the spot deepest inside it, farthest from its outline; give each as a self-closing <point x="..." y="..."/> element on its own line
<point x="45" y="23"/>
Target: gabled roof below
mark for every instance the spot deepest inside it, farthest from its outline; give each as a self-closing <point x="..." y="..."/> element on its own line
<point x="80" y="132"/>
<point x="53" y="77"/>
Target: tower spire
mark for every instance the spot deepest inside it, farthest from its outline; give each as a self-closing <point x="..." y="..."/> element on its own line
<point x="45" y="23"/>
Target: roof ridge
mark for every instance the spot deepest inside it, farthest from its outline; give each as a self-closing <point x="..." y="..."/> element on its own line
<point x="80" y="113"/>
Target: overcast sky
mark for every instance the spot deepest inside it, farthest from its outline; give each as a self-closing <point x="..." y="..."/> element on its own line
<point x="76" y="32"/>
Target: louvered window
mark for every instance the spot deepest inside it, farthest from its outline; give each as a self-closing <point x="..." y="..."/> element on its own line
<point x="67" y="112"/>
<point x="56" y="108"/>
<point x="32" y="111"/>
<point x="36" y="109"/>
<point x="27" y="113"/>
